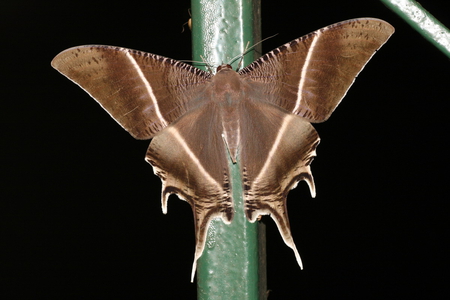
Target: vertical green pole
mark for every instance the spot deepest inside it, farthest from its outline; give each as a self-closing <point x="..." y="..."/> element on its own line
<point x="232" y="265"/>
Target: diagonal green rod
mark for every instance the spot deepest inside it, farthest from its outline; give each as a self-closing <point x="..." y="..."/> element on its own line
<point x="232" y="265"/>
<point x="422" y="21"/>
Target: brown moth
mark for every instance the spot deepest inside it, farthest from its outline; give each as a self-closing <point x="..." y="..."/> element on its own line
<point x="260" y="115"/>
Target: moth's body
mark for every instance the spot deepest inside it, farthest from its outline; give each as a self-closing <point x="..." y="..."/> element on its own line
<point x="259" y="116"/>
<point x="228" y="93"/>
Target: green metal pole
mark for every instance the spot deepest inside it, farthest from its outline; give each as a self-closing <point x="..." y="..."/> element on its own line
<point x="422" y="21"/>
<point x="232" y="265"/>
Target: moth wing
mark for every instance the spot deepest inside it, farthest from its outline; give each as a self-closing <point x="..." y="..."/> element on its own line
<point x="277" y="150"/>
<point x="190" y="158"/>
<point x="310" y="75"/>
<point x="143" y="92"/>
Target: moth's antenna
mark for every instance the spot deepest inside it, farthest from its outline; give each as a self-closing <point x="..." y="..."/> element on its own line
<point x="194" y="62"/>
<point x="207" y="65"/>
<point x="242" y="56"/>
<point x="247" y="50"/>
<point x="202" y="63"/>
<point x="197" y="64"/>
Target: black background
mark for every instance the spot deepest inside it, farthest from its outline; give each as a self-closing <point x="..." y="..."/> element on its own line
<point x="80" y="212"/>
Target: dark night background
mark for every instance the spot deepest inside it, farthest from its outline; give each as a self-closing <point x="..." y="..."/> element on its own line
<point x="80" y="213"/>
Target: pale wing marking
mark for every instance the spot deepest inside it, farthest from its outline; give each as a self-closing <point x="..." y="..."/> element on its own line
<point x="192" y="156"/>
<point x="148" y="87"/>
<point x="274" y="148"/>
<point x="304" y="70"/>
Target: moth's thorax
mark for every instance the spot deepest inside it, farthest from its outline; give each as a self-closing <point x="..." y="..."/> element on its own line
<point x="226" y="85"/>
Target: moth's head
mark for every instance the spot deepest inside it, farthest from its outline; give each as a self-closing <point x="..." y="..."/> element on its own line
<point x="223" y="67"/>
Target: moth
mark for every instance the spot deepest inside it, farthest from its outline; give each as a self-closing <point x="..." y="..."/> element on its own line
<point x="259" y="116"/>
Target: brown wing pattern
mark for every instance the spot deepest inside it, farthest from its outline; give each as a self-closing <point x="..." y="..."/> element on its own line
<point x="143" y="92"/>
<point x="274" y="160"/>
<point x="190" y="158"/>
<point x="310" y="75"/>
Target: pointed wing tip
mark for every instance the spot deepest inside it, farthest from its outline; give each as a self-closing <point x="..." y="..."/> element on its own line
<point x="312" y="190"/>
<point x="53" y="62"/>
<point x="56" y="63"/>
<point x="194" y="269"/>
<point x="297" y="255"/>
<point x="164" y="200"/>
<point x="288" y="240"/>
<point x="312" y="186"/>
<point x="298" y="258"/>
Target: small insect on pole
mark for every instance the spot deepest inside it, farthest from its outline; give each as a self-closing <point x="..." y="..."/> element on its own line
<point x="232" y="265"/>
